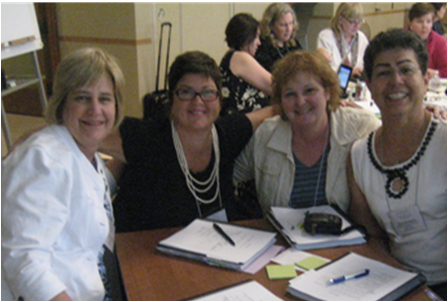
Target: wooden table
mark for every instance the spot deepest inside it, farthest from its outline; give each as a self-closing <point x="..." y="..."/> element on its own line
<point x="151" y="275"/>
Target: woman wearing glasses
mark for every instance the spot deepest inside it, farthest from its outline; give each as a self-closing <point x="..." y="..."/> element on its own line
<point x="181" y="168"/>
<point x="343" y="42"/>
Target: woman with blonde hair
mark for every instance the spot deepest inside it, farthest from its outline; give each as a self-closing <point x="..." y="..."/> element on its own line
<point x="343" y="42"/>
<point x="278" y="30"/>
<point x="57" y="220"/>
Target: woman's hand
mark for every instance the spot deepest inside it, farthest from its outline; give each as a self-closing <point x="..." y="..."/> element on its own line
<point x="437" y="111"/>
<point x="357" y="71"/>
<point x="325" y="53"/>
<point x="62" y="297"/>
<point x="431" y="73"/>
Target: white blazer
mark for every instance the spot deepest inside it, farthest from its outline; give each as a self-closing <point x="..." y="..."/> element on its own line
<point x="53" y="219"/>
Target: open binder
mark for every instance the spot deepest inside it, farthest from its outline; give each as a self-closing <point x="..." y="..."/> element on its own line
<point x="383" y="282"/>
<point x="200" y="241"/>
<point x="288" y="222"/>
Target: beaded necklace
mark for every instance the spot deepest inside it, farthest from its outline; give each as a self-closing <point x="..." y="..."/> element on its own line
<point x="195" y="186"/>
<point x="399" y="174"/>
<point x="279" y="52"/>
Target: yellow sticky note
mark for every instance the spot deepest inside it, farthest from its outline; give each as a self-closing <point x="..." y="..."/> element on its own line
<point x="281" y="272"/>
<point x="311" y="263"/>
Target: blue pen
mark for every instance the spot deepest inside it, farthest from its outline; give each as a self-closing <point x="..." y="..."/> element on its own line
<point x="348" y="277"/>
<point x="432" y="296"/>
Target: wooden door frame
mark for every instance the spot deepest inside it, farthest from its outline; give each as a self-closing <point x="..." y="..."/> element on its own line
<point x="50" y="55"/>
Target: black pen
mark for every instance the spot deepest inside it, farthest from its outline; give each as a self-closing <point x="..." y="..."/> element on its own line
<point x="223" y="234"/>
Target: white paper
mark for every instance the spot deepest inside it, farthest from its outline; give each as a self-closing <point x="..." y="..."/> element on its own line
<point x="290" y="219"/>
<point x="381" y="280"/>
<point x="200" y="237"/>
<point x="263" y="260"/>
<point x="249" y="291"/>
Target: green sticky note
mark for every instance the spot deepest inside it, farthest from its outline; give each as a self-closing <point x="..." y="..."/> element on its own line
<point x="281" y="271"/>
<point x="311" y="263"/>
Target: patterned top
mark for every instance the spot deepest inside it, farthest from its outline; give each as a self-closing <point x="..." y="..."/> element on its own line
<point x="238" y="95"/>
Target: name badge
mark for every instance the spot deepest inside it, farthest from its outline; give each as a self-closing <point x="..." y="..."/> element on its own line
<point x="407" y="221"/>
<point x="221" y="215"/>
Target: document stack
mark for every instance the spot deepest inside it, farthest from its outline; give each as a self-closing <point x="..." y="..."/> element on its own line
<point x="289" y="223"/>
<point x="381" y="282"/>
<point x="218" y="244"/>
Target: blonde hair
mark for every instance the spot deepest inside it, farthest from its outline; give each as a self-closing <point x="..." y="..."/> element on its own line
<point x="351" y="10"/>
<point x="81" y="68"/>
<point x="272" y="13"/>
<point x="314" y="63"/>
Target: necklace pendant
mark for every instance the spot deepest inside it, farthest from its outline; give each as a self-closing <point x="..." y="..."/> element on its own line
<point x="397" y="183"/>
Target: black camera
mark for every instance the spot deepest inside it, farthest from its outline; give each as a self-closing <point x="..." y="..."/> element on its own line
<point x="322" y="223"/>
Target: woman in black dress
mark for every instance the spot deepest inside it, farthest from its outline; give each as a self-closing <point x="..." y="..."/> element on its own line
<point x="278" y="34"/>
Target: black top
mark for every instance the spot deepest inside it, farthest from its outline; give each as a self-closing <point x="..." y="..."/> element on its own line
<point x="153" y="192"/>
<point x="267" y="53"/>
<point x="238" y="95"/>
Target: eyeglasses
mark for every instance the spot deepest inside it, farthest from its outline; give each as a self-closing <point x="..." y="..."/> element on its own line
<point x="357" y="21"/>
<point x="189" y="95"/>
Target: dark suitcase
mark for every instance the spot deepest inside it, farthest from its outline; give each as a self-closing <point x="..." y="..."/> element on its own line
<point x="155" y="105"/>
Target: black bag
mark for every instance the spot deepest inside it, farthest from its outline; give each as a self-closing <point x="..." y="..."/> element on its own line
<point x="155" y="105"/>
<point x="329" y="224"/>
<point x="322" y="223"/>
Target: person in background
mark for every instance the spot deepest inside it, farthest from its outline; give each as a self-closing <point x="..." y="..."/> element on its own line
<point x="246" y="84"/>
<point x="57" y="219"/>
<point x="440" y="9"/>
<point x="298" y="159"/>
<point x="343" y="42"/>
<point x="278" y="30"/>
<point x="397" y="174"/>
<point x="180" y="169"/>
<point x="421" y="17"/>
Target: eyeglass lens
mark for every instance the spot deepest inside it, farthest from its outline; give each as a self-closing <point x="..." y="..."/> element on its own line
<point x="206" y="95"/>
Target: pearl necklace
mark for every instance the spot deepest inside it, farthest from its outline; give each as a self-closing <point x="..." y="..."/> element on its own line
<point x="398" y="175"/>
<point x="195" y="186"/>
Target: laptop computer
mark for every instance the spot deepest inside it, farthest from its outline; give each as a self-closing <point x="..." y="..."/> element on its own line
<point x="344" y="73"/>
